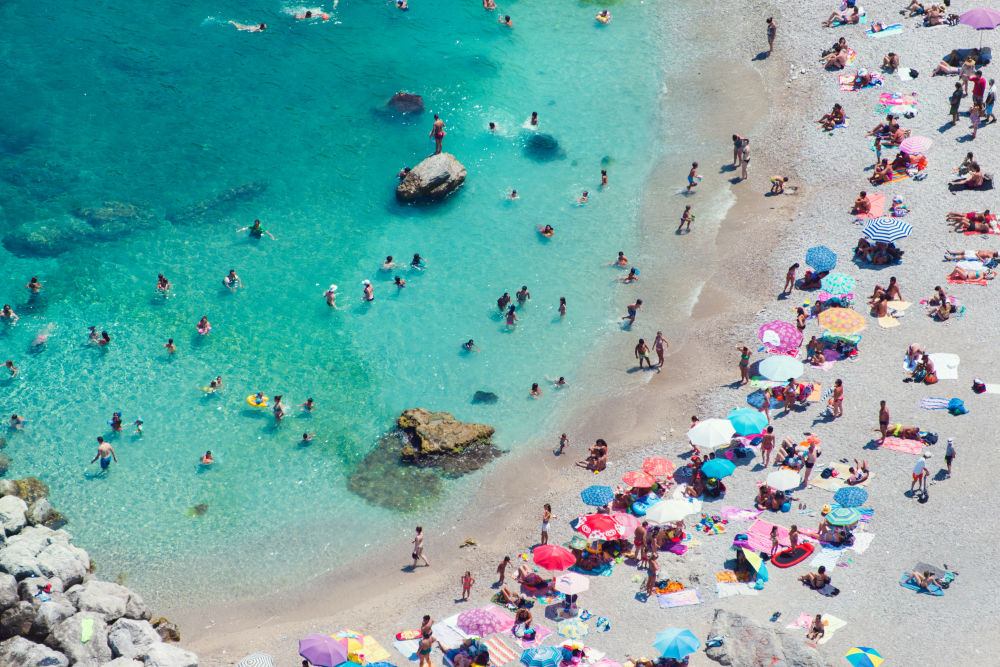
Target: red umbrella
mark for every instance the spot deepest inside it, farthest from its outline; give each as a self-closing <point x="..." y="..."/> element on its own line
<point x="601" y="527"/>
<point x="638" y="479"/>
<point x="553" y="557"/>
<point x="658" y="467"/>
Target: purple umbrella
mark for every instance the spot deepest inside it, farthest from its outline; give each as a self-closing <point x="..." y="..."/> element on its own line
<point x="981" y="19"/>
<point x="323" y="651"/>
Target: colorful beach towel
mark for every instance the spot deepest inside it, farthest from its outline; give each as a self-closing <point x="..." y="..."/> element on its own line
<point x="846" y="82"/>
<point x="590" y="654"/>
<point x="876" y="201"/>
<point x="500" y="652"/>
<point x="832" y="624"/>
<point x="684" y="598"/>
<point x="901" y="445"/>
<point x="804" y="621"/>
<point x="838" y="482"/>
<point x="888" y="322"/>
<point x="827" y="557"/>
<point x="933" y="589"/>
<point x="759" y="534"/>
<point x="894" y="29"/>
<point x="540" y="634"/>
<point x="934" y="403"/>
<point x="970" y="281"/>
<point x="908" y="99"/>
<point x="739" y="513"/>
<point x="448" y="633"/>
<point x="604" y="570"/>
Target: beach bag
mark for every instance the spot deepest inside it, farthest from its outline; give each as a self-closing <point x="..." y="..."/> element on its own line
<point x="957" y="407"/>
<point x="827" y="472"/>
<point x="931" y="378"/>
<point x="930" y="438"/>
<point x="978" y="386"/>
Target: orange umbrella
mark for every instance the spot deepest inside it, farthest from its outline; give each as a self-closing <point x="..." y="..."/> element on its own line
<point x="658" y="467"/>
<point x="638" y="479"/>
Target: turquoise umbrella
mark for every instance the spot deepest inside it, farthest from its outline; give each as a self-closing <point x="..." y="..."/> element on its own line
<point x="843" y="516"/>
<point x="718" y="468"/>
<point x="838" y="283"/>
<point x="676" y="643"/>
<point x="543" y="656"/>
<point x="747" y="421"/>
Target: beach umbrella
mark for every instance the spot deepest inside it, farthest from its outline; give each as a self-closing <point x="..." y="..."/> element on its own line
<point x="355" y="644"/>
<point x="850" y="496"/>
<point x="781" y="367"/>
<point x="915" y="145"/>
<point x="542" y="656"/>
<point x="256" y="660"/>
<point x="572" y="628"/>
<point x="600" y="527"/>
<point x="747" y="421"/>
<point x="841" y="320"/>
<point x="597" y="495"/>
<point x="711" y="433"/>
<point x="756" y="562"/>
<point x="756" y="399"/>
<point x="886" y="230"/>
<point x="981" y="19"/>
<point x="783" y="480"/>
<point x="718" y="468"/>
<point x="780" y="334"/>
<point x="658" y="467"/>
<point x="843" y="516"/>
<point x="669" y="511"/>
<point x="862" y="656"/>
<point x="322" y="651"/>
<point x="606" y="663"/>
<point x="638" y="479"/>
<point x="552" y="557"/>
<point x="571" y="583"/>
<point x="676" y="643"/>
<point x="578" y="542"/>
<point x="821" y="258"/>
<point x="480" y="622"/>
<point x="838" y="283"/>
<point x="628" y="521"/>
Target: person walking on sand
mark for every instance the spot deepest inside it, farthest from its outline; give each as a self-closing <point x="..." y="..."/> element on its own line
<point x="563" y="441"/>
<point x="546" y="517"/>
<point x="105" y="452"/>
<point x="955" y="100"/>
<point x="837" y="402"/>
<point x="790" y="279"/>
<point x="949" y="454"/>
<point x="772" y="30"/>
<point x="744" y="364"/>
<point x="631" y="310"/>
<point x="642" y="353"/>
<point x="775" y="543"/>
<point x="745" y="159"/>
<point x="811" y="455"/>
<point x="661" y="345"/>
<point x="437" y="131"/>
<point x="418" y="547"/>
<point x="920" y="473"/>
<point x="766" y="445"/>
<point x="686" y="218"/>
<point x="883" y="421"/>
<point x="467" y="581"/>
<point x="991" y="98"/>
<point x="693" y="177"/>
<point x="502" y="571"/>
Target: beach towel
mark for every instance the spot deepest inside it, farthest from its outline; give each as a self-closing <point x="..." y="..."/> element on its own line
<point x="846" y="82"/>
<point x="992" y="389"/>
<point x="540" y="634"/>
<point x="726" y="577"/>
<point x="827" y="556"/>
<point x="902" y="109"/>
<point x="909" y="99"/>
<point x="933" y="589"/>
<point x="604" y="570"/>
<point x="831" y="625"/>
<point x="407" y="648"/>
<point x="759" y="534"/>
<point x="876" y="201"/>
<point x="934" y="403"/>
<point x="901" y="445"/>
<point x="838" y="482"/>
<point x="803" y="622"/>
<point x="374" y="652"/>
<point x="684" y="598"/>
<point x="895" y="29"/>
<point x="590" y="654"/>
<point x="448" y="633"/>
<point x="726" y="589"/>
<point x="888" y="322"/>
<point x="739" y="513"/>
<point x="829" y="591"/>
<point x="861" y="542"/>
<point x="970" y="281"/>
<point x="86" y="630"/>
<point x="500" y="652"/>
<point x="945" y="365"/>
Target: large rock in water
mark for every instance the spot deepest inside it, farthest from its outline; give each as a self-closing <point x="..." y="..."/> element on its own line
<point x="434" y="178"/>
<point x="749" y="644"/>
<point x="405" y="103"/>
<point x="439" y="433"/>
<point x="543" y="147"/>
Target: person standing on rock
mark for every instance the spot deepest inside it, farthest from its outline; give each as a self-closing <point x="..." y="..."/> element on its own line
<point x="418" y="548"/>
<point x="437" y="131"/>
<point x="105" y="452"/>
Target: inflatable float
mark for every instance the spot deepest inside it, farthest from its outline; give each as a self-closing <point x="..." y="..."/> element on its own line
<point x="792" y="555"/>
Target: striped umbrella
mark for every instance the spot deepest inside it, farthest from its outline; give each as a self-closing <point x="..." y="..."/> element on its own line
<point x="597" y="495"/>
<point x="850" y="496"/>
<point x="887" y="230"/>
<point x="843" y="516"/>
<point x="572" y="628"/>
<point x="638" y="479"/>
<point x="838" y="283"/>
<point x="863" y="656"/>
<point x="658" y="467"/>
<point x="780" y="334"/>
<point x="542" y="656"/>
<point x="841" y="320"/>
<point x="821" y="258"/>
<point x="256" y="660"/>
<point x="915" y="145"/>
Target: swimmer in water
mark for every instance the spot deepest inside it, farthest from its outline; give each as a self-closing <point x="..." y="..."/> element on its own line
<point x="8" y="313"/>
<point x="103" y="341"/>
<point x="562" y="306"/>
<point x="42" y="337"/>
<point x="163" y="285"/>
<point x="14" y="370"/>
<point x="513" y="195"/>
<point x="170" y="347"/>
<point x="207" y="459"/>
<point x="470" y="346"/>
<point x="534" y="118"/>
<point x="203" y="326"/>
<point x="331" y="296"/>
<point x="388" y="264"/>
<point x="212" y="387"/>
<point x="33" y="285"/>
<point x="116" y="421"/>
<point x="138" y="426"/>
<point x="369" y="291"/>
<point x="604" y="177"/>
<point x="308" y="405"/>
<point x="16" y="422"/>
<point x="278" y="409"/>
<point x="309" y="15"/>
<point x="547" y="230"/>
<point x="247" y="28"/>
<point x="523" y="295"/>
<point x="633" y="275"/>
<point x="399" y="282"/>
<point x="232" y="281"/>
<point x="493" y="126"/>
<point x="507" y="22"/>
<point x="307" y="438"/>
<point x="511" y="317"/>
<point x="503" y="301"/>
<point x="583" y="198"/>
<point x="218" y="383"/>
<point x="621" y="261"/>
<point x="418" y="262"/>
<point x="489" y="4"/>
<point x="256" y="231"/>
<point x="105" y="452"/>
<point x="536" y="391"/>
<point x="560" y="383"/>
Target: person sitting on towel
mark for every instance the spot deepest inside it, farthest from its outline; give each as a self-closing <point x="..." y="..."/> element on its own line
<point x="816" y="580"/>
<point x="862" y="205"/>
<point x="883" y="172"/>
<point x="924" y="580"/>
<point x="972" y="181"/>
<point x="830" y="120"/>
<point x="890" y="62"/>
<point x="763" y="500"/>
<point x="862" y="78"/>
<point x="814" y="352"/>
<point x="859" y="473"/>
<point x="886" y="128"/>
<point x="813" y="280"/>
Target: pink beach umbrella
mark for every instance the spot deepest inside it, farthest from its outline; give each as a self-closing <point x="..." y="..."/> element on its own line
<point x="780" y="335"/>
<point x="628" y="521"/>
<point x="553" y="557"/>
<point x="915" y="145"/>
<point x="638" y="479"/>
<point x="479" y="622"/>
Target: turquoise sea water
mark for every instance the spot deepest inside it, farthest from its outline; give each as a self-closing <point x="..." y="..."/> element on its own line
<point x="168" y="106"/>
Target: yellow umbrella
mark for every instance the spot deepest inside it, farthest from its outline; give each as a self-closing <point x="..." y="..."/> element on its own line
<point x="753" y="558"/>
<point x="841" y="320"/>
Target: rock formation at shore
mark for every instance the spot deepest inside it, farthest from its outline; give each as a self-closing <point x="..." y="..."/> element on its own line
<point x="54" y="612"/>
<point x="434" y="178"/>
<point x="747" y="643"/>
<point x="405" y="103"/>
<point x="436" y="434"/>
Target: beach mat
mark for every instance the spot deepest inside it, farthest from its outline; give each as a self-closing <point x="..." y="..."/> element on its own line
<point x="932" y="590"/>
<point x="945" y="365"/>
<point x="448" y="634"/>
<point x="684" y="598"/>
<point x="956" y="187"/>
<point x="540" y="634"/>
<point x="759" y="536"/>
<point x="861" y="542"/>
<point x="898" y="98"/>
<point x="928" y="403"/>
<point x="828" y="557"/>
<point x="901" y="445"/>
<point x="888" y="322"/>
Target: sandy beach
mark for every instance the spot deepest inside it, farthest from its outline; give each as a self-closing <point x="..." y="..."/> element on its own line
<point x="736" y="261"/>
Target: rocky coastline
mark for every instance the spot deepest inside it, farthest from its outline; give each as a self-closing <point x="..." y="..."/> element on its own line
<point x="53" y="611"/>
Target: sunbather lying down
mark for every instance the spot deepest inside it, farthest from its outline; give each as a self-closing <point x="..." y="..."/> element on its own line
<point x="905" y="432"/>
<point x="984" y="256"/>
<point x="925" y="580"/>
<point x="971" y="274"/>
<point x="528" y="578"/>
<point x="846" y="17"/>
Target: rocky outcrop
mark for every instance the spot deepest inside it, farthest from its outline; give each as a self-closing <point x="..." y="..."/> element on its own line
<point x="67" y="638"/>
<point x="434" y="178"/>
<point x="543" y="147"/>
<point x="165" y="655"/>
<point x="54" y="236"/>
<point x="487" y="397"/>
<point x="42" y="513"/>
<point x="111" y="601"/>
<point x="748" y="643"/>
<point x="12" y="514"/>
<point x="19" y="652"/>
<point x="129" y="639"/>
<point x="405" y="103"/>
<point x="113" y="219"/>
<point x="438" y="434"/>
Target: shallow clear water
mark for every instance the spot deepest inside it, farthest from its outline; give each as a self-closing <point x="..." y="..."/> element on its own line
<point x="171" y="106"/>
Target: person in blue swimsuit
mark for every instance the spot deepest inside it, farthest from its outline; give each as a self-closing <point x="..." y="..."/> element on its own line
<point x="105" y="452"/>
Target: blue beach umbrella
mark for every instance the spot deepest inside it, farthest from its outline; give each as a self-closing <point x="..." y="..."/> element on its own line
<point x="887" y="230"/>
<point x="718" y="468"/>
<point x="756" y="399"/>
<point x="821" y="258"/>
<point x="781" y="367"/>
<point x="597" y="495"/>
<point x="843" y="516"/>
<point x="850" y="496"/>
<point x="838" y="283"/>
<point x="747" y="421"/>
<point x="863" y="656"/>
<point x="542" y="656"/>
<point x="676" y="643"/>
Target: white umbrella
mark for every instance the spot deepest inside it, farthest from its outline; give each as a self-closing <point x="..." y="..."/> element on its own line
<point x="711" y="433"/>
<point x="256" y="660"/>
<point x="783" y="480"/>
<point x="668" y="511"/>
<point x="572" y="583"/>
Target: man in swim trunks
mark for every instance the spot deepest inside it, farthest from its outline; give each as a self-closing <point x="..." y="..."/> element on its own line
<point x="642" y="353"/>
<point x="256" y="231"/>
<point x="105" y="452"/>
<point x="772" y="30"/>
<point x="232" y="281"/>
<point x="920" y="473"/>
<point x="631" y="310"/>
<point x="418" y="548"/>
<point x="523" y="295"/>
<point x="883" y="420"/>
<point x="693" y="176"/>
<point x="437" y="131"/>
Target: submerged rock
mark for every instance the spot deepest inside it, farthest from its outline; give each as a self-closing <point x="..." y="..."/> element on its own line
<point x="31" y="489"/>
<point x="4" y="463"/>
<point x="543" y="147"/>
<point x="216" y="204"/>
<point x="485" y="397"/>
<point x="748" y="643"/>
<point x="405" y="103"/>
<point x="383" y="480"/>
<point x="198" y="510"/>
<point x="434" y="178"/>
<point x="47" y="238"/>
<point x="114" y="219"/>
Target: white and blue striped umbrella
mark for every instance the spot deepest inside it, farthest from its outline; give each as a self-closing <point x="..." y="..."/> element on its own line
<point x="821" y="258"/>
<point x="887" y="230"/>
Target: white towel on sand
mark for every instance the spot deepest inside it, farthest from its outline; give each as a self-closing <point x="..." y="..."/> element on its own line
<point x="945" y="365"/>
<point x="727" y="588"/>
<point x="861" y="542"/>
